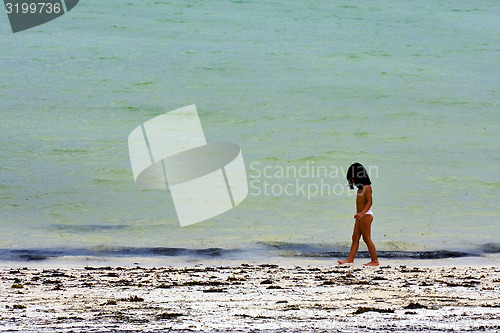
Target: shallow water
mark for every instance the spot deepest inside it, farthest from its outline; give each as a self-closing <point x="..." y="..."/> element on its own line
<point x="409" y="90"/>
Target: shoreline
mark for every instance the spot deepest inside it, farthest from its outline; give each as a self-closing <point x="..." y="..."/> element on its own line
<point x="72" y="261"/>
<point x="226" y="295"/>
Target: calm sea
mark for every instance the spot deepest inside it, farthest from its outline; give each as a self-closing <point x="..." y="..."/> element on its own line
<point x="409" y="89"/>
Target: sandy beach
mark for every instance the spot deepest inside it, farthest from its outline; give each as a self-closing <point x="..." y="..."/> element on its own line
<point x="250" y="298"/>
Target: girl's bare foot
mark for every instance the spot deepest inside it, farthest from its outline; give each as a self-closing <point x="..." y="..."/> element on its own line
<point x="371" y="263"/>
<point x="345" y="262"/>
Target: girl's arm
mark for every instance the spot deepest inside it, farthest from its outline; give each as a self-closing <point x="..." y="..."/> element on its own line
<point x="368" y="196"/>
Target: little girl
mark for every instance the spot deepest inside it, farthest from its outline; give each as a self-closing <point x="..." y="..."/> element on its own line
<point x="357" y="176"/>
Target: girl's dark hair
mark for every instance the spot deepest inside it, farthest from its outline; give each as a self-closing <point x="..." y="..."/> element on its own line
<point x="358" y="172"/>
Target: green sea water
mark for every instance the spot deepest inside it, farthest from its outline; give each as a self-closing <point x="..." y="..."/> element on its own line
<point x="409" y="89"/>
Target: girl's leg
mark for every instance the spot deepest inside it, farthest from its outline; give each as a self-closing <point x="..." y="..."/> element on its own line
<point x="365" y="226"/>
<point x="356" y="235"/>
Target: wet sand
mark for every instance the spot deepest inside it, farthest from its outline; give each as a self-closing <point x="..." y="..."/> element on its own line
<point x="250" y="297"/>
